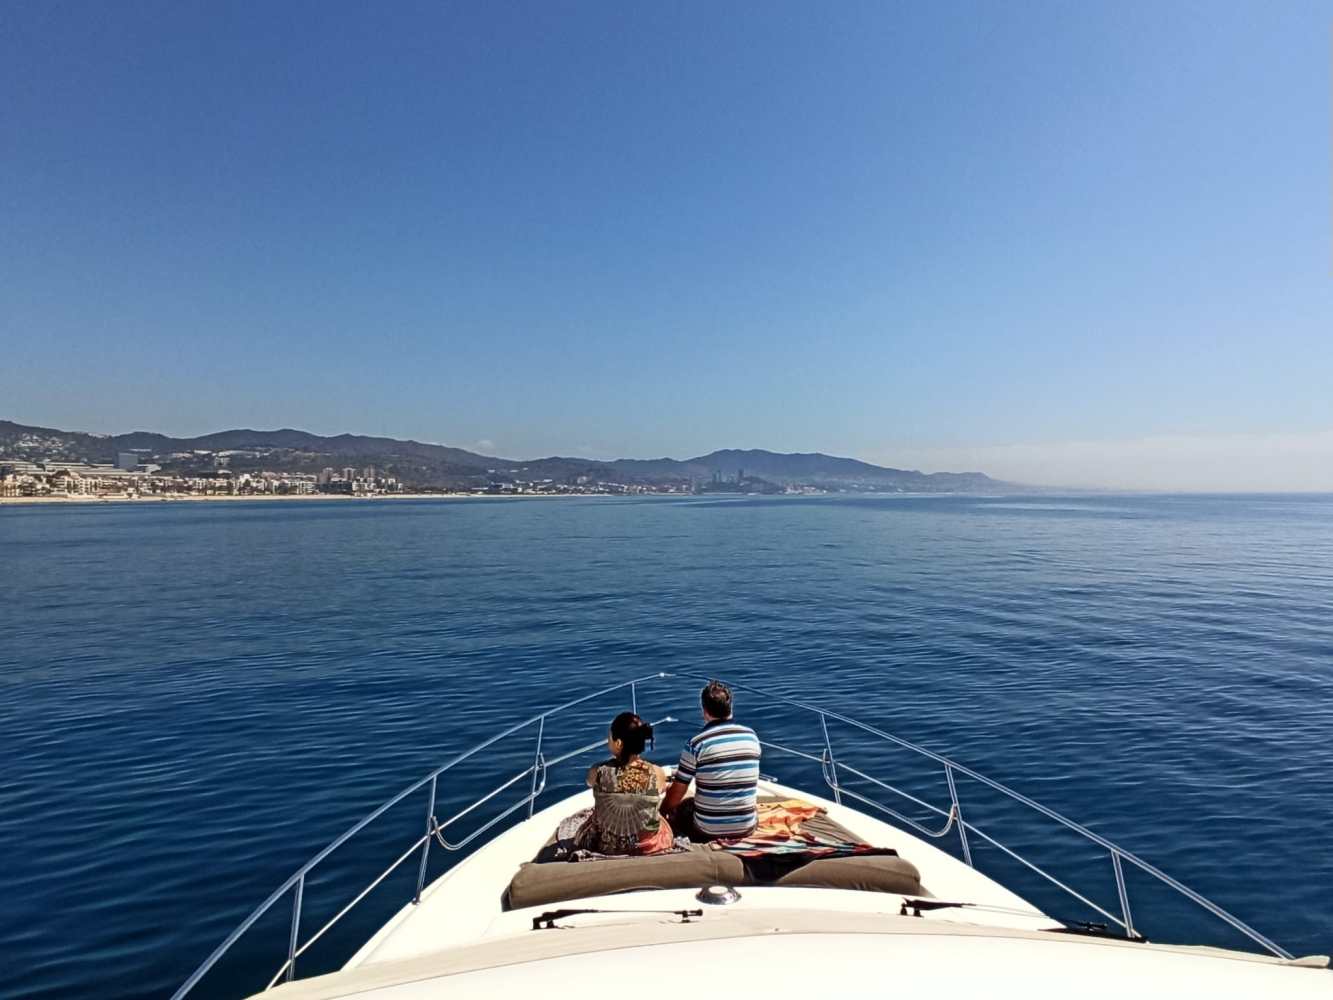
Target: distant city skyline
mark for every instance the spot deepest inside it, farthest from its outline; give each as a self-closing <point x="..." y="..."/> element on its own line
<point x="1082" y="246"/>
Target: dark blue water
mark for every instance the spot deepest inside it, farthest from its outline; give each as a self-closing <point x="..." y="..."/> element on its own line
<point x="196" y="697"/>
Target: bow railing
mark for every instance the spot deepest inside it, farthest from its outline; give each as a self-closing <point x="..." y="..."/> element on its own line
<point x="831" y="767"/>
<point x="433" y="830"/>
<point x="954" y="819"/>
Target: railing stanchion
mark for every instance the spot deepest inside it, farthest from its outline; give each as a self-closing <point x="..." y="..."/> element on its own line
<point x="634" y="697"/>
<point x="1124" y="893"/>
<point x="425" y="848"/>
<point x="536" y="763"/>
<point x="830" y="765"/>
<point x="958" y="814"/>
<point x="296" y="927"/>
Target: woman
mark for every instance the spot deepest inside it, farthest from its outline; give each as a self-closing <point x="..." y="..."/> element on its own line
<point x="626" y="791"/>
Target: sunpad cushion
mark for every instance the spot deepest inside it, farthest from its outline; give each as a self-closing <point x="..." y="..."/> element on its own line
<point x="539" y="884"/>
<point x="864" y="872"/>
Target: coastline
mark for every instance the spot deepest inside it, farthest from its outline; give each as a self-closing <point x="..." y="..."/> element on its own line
<point x="330" y="497"/>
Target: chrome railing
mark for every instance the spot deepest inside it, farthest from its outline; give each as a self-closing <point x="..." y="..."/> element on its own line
<point x="954" y="819"/>
<point x="433" y="830"/>
<point x="831" y="768"/>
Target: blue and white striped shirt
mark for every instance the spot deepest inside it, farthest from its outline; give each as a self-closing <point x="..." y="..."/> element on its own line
<point x="723" y="761"/>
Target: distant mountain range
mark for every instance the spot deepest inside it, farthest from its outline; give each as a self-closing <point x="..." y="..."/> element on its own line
<point x="439" y="466"/>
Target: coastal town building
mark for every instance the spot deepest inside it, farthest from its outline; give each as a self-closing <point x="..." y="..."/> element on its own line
<point x="19" y="478"/>
<point x="135" y="474"/>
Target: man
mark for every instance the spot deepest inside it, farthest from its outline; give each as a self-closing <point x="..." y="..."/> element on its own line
<point x="723" y="763"/>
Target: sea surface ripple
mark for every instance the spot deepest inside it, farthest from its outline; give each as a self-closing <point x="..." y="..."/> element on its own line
<point x="196" y="697"/>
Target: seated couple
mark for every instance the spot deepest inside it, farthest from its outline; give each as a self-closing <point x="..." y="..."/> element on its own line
<point x="636" y="810"/>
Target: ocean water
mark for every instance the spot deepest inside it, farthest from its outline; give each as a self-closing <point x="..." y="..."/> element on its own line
<point x="194" y="698"/>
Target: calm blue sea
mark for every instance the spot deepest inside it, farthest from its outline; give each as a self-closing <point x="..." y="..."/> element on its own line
<point x="196" y="697"/>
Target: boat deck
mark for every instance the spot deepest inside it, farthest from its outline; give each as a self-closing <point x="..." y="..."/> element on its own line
<point x="464" y="905"/>
<point x="810" y="953"/>
<point x="460" y="940"/>
<point x="474" y="928"/>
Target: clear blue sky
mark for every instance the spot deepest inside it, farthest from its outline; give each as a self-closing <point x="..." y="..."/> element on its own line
<point x="918" y="234"/>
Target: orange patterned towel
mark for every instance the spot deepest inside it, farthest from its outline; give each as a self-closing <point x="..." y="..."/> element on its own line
<point x="779" y="833"/>
<point x="783" y="819"/>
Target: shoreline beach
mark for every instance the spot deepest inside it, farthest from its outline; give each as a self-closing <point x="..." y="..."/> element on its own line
<point x="331" y="497"/>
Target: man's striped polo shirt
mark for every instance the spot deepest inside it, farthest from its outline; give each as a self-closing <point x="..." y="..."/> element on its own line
<point x="723" y="760"/>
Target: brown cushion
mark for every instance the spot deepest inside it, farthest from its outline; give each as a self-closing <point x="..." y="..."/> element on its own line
<point x="866" y="872"/>
<point x="539" y="884"/>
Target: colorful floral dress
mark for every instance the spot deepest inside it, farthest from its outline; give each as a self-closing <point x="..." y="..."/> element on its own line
<point x="624" y="816"/>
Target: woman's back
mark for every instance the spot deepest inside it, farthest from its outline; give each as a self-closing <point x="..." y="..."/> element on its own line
<point x="625" y="819"/>
<point x="636" y="776"/>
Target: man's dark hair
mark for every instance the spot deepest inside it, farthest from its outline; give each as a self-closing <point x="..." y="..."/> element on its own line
<point x="716" y="700"/>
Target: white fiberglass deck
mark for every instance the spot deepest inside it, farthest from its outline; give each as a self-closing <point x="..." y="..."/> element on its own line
<point x="463" y="905"/>
<point x="460" y="943"/>
<point x="871" y="959"/>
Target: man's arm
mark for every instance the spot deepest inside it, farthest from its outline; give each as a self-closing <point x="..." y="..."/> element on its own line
<point x="675" y="792"/>
<point x="680" y="781"/>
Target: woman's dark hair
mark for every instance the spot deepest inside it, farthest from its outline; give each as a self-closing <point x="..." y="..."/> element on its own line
<point x="632" y="732"/>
